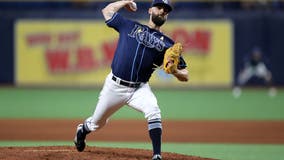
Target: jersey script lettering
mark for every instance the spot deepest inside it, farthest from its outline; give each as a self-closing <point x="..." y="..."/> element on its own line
<point x="146" y="38"/>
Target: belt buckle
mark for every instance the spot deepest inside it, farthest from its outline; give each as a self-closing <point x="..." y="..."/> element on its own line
<point x="131" y="85"/>
<point x="117" y="80"/>
<point x="135" y="85"/>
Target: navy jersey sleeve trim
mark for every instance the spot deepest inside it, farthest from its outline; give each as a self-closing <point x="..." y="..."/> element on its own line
<point x="117" y="22"/>
<point x="112" y="18"/>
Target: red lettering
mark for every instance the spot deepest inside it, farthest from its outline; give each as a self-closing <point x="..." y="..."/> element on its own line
<point x="39" y="38"/>
<point x="85" y="59"/>
<point x="68" y="37"/>
<point x="108" y="50"/>
<point x="198" y="40"/>
<point x="181" y="35"/>
<point x="202" y="39"/>
<point x="57" y="60"/>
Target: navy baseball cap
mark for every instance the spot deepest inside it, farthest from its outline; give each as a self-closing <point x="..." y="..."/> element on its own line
<point x="164" y="3"/>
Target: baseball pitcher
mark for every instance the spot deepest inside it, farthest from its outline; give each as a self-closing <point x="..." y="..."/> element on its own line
<point x="141" y="48"/>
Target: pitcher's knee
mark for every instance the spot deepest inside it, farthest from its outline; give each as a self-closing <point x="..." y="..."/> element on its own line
<point x="153" y="116"/>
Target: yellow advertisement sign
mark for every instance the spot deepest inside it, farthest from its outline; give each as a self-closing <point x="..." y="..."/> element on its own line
<point x="79" y="53"/>
<point x="208" y="51"/>
<point x="63" y="52"/>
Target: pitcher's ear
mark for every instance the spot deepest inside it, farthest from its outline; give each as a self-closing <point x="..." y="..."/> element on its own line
<point x="150" y="10"/>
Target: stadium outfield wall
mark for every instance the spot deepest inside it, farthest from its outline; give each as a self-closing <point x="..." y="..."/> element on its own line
<point x="263" y="29"/>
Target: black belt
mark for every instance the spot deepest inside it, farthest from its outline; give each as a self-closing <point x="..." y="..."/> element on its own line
<point x="125" y="83"/>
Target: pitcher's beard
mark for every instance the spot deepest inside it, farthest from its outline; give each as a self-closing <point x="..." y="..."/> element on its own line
<point x="158" y="20"/>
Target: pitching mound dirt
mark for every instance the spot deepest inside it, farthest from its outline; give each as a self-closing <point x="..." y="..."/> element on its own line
<point x="97" y="153"/>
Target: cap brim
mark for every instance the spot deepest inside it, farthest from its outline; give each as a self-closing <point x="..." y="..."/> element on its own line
<point x="164" y="5"/>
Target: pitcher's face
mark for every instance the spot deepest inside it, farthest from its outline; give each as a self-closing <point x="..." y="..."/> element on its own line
<point x="158" y="15"/>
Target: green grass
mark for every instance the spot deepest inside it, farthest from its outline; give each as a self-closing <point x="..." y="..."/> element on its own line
<point x="176" y="104"/>
<point x="218" y="151"/>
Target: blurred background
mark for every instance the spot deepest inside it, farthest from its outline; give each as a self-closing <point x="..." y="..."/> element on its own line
<point x="54" y="56"/>
<point x="66" y="43"/>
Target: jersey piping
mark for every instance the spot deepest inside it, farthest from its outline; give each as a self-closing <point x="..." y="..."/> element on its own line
<point x="133" y="63"/>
